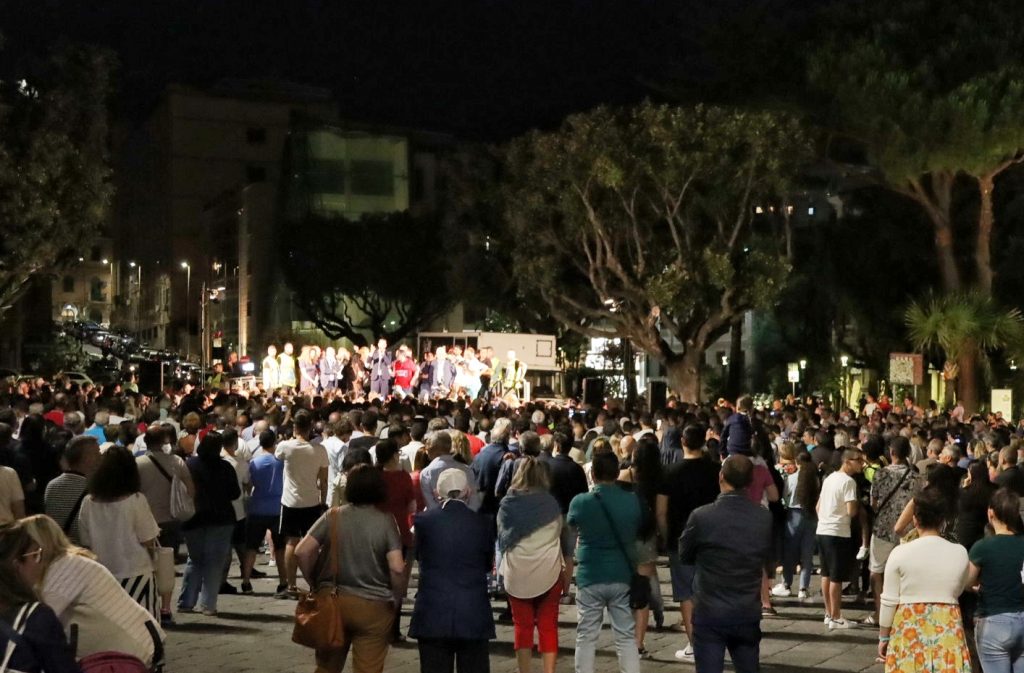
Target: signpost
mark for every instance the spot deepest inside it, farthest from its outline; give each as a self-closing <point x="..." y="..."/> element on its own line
<point x="793" y="374"/>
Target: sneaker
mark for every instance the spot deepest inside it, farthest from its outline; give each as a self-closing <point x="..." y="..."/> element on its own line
<point x="257" y="574"/>
<point x="862" y="553"/>
<point x="210" y="613"/>
<point x="868" y="621"/>
<point x="803" y="595"/>
<point x="685" y="654"/>
<point x="781" y="591"/>
<point x="769" y="611"/>
<point x="228" y="589"/>
<point x="246" y="587"/>
<point x="837" y="624"/>
<point x="282" y="592"/>
<point x="294" y="593"/>
<point x="272" y="562"/>
<point x="644" y="653"/>
<point x="166" y="619"/>
<point x="827" y="620"/>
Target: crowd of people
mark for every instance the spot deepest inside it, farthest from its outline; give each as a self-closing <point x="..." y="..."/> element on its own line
<point x="914" y="514"/>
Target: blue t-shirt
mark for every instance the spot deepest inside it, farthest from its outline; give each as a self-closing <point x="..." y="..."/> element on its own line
<point x="266" y="474"/>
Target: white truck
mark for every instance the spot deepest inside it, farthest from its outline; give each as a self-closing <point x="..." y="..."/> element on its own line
<point x="545" y="379"/>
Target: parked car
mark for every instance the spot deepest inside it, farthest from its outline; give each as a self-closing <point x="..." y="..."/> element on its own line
<point x="80" y="378"/>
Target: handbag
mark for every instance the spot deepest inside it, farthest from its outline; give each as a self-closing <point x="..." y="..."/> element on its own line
<point x="639" y="585"/>
<point x="318" y="618"/>
<point x="163" y="569"/>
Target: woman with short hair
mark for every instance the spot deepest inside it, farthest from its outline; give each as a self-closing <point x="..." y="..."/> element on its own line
<point x="370" y="570"/>
<point x="116" y="523"/>
<point x="84" y="593"/>
<point x="532" y="561"/>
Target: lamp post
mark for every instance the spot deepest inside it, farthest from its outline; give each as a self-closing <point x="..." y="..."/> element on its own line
<point x="844" y="361"/>
<point x="138" y="295"/>
<point x="803" y="375"/>
<point x="188" y="299"/>
<point x="110" y="285"/>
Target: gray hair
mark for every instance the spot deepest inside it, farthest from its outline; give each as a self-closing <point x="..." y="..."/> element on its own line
<point x="439" y="442"/>
<point x="501" y="431"/>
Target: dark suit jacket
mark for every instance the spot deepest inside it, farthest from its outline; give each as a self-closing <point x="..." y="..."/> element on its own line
<point x="455" y="550"/>
<point x="728" y="540"/>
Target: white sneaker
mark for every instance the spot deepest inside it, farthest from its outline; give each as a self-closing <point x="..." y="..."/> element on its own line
<point x="803" y="595"/>
<point x="781" y="590"/>
<point x="827" y="620"/>
<point x="862" y="553"/>
<point x="835" y="624"/>
<point x="685" y="654"/>
<point x="869" y="621"/>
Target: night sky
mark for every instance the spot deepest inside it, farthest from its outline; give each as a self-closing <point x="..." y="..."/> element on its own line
<point x="479" y="68"/>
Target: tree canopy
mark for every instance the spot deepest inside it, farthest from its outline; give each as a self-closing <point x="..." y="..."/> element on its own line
<point x="55" y="184"/>
<point x="639" y="223"/>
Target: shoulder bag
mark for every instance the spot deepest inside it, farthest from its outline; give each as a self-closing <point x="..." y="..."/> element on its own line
<point x="318" y="618"/>
<point x="639" y="585"/>
<point x="182" y="506"/>
<point x="14" y="637"/>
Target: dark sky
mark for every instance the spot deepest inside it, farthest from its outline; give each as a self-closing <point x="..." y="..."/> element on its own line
<point x="485" y="68"/>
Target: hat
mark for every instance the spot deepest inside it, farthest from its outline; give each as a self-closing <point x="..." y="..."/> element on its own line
<point x="452" y="479"/>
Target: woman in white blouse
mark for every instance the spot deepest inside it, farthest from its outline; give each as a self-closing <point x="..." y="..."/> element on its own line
<point x="84" y="593"/>
<point x="115" y="522"/>
<point x="920" y="626"/>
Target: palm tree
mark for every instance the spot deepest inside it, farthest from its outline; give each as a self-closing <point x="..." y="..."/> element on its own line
<point x="966" y="327"/>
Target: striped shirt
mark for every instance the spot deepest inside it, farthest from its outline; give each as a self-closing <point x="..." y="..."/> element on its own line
<point x="62" y="495"/>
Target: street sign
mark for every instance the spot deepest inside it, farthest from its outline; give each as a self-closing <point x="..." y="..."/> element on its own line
<point x="906" y="369"/>
<point x="793" y="372"/>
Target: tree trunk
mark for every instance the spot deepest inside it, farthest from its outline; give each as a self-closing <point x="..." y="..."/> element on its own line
<point x="734" y="383"/>
<point x="986" y="219"/>
<point x="683" y="373"/>
<point x="629" y="371"/>
<point x="967" y="383"/>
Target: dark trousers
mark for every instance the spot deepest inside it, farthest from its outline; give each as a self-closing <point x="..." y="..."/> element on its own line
<point x="444" y="655"/>
<point x="743" y="642"/>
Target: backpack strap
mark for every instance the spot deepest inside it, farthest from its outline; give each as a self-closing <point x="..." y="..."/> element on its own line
<point x="14" y="634"/>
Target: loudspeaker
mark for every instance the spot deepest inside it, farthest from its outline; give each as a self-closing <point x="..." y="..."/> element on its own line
<point x="593" y="392"/>
<point x="150" y="377"/>
<point x="657" y="395"/>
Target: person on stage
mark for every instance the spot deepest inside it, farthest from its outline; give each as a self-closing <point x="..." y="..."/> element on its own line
<point x="286" y="367"/>
<point x="271" y="370"/>
<point x="380" y="369"/>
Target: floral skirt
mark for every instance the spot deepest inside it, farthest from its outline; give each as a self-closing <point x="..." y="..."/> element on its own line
<point x="928" y="638"/>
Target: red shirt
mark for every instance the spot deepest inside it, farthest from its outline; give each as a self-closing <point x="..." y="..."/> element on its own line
<point x="400" y="494"/>
<point x="475" y="443"/>
<point x="404" y="371"/>
<point x="762" y="480"/>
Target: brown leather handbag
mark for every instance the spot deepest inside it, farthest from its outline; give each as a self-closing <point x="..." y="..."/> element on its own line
<point x="318" y="618"/>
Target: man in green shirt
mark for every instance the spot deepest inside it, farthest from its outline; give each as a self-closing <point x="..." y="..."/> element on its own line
<point x="607" y="520"/>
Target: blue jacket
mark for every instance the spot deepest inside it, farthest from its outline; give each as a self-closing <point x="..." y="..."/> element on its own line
<point x="486" y="467"/>
<point x="737" y="435"/>
<point x="455" y="552"/>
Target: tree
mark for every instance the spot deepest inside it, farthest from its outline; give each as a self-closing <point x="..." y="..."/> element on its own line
<point x="965" y="326"/>
<point x="638" y="223"/>
<point x="55" y="184"/>
<point x="384" y="275"/>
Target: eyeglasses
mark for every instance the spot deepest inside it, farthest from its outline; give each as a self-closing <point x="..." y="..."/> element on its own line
<point x="37" y="554"/>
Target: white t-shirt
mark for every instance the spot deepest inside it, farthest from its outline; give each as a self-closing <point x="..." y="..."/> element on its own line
<point x="408" y="454"/>
<point x="115" y="531"/>
<point x="302" y="462"/>
<point x="10" y="493"/>
<point x="83" y="592"/>
<point x="335" y="449"/>
<point x="242" y="474"/>
<point x="838" y="489"/>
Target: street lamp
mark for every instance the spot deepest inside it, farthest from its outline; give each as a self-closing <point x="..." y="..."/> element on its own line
<point x="138" y="294"/>
<point x="188" y="294"/>
<point x="111" y="288"/>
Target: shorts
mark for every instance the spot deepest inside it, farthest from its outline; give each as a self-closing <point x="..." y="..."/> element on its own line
<point x="296" y="521"/>
<point x="878" y="554"/>
<point x="256" y="528"/>
<point x="837" y="555"/>
<point x="682" y="578"/>
<point x="238" y="534"/>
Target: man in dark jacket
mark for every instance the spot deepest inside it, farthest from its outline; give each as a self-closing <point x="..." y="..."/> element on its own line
<point x="738" y="433"/>
<point x="728" y="541"/>
<point x="452" y="619"/>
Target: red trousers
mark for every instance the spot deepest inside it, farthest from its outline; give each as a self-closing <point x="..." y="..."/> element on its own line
<point x="540" y="612"/>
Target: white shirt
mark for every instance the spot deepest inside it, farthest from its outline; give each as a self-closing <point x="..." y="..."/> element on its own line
<point x="336" y="450"/>
<point x="115" y="531"/>
<point x="838" y="489"/>
<point x="302" y="463"/>
<point x="927" y="570"/>
<point x="83" y="592"/>
<point x="407" y="454"/>
<point x="242" y="474"/>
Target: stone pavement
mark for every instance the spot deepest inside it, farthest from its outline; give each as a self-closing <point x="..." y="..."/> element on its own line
<point x="253" y="633"/>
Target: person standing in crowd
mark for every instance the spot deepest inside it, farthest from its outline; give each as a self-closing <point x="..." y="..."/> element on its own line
<point x="529" y="525"/>
<point x="40" y="644"/>
<point x="338" y="433"/>
<point x="452" y="620"/>
<point x="837" y="507"/>
<point x="380" y="369"/>
<point x="84" y="593"/>
<point x="606" y="518"/>
<point x="116" y="523"/>
<point x="893" y="487"/>
<point x="370" y="570"/>
<point x="439" y="450"/>
<point x="728" y="542"/>
<point x="920" y="627"/>
<point x="64" y="495"/>
<point x="686" y="485"/>
<point x="996" y="563"/>
<point x="800" y="498"/>
<point x="266" y="475"/>
<point x="208" y="533"/>
<point x="271" y="371"/>
<point x="12" y="496"/>
<point x="304" y="492"/>
<point x="401" y="504"/>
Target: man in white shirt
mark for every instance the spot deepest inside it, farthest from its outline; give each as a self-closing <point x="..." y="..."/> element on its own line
<point x="338" y="431"/>
<point x="837" y="506"/>
<point x="305" y="489"/>
<point x="417" y="431"/>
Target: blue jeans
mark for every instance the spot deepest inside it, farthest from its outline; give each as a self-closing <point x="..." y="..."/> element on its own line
<point x="591" y="602"/>
<point x="743" y="642"/>
<point x="208" y="546"/>
<point x="1000" y="641"/>
<point x="798" y="547"/>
